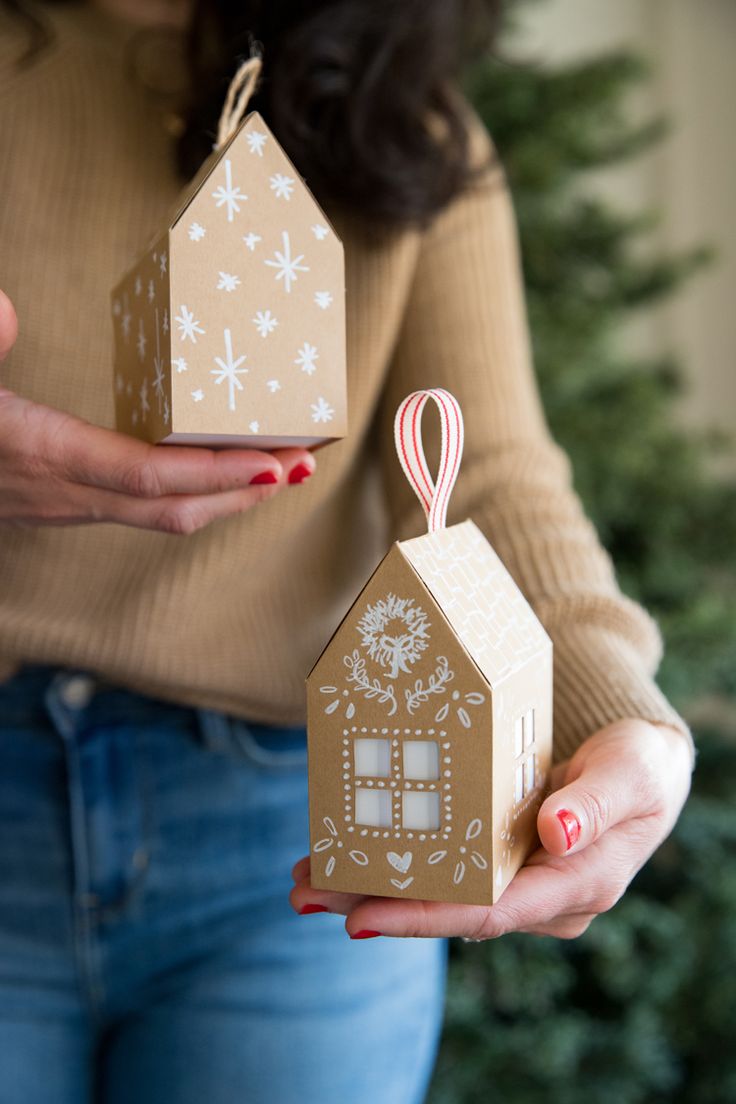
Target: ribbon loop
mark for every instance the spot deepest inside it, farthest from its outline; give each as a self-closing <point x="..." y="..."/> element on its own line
<point x="242" y="87"/>
<point x="434" y="497"/>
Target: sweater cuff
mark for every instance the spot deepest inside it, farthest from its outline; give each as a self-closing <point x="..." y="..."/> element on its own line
<point x="599" y="677"/>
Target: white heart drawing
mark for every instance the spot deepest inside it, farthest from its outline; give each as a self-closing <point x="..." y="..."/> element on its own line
<point x="402" y="885"/>
<point x="400" y="862"/>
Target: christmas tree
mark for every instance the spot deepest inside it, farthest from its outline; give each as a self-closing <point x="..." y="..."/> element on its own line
<point x="640" y="1009"/>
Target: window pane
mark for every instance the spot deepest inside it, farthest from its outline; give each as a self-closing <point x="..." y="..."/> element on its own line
<point x="528" y="729"/>
<point x="420" y="810"/>
<point x="519" y="784"/>
<point x="529" y="774"/>
<point x="518" y="739"/>
<point x="421" y="759"/>
<point x="372" y="757"/>
<point x="373" y="807"/>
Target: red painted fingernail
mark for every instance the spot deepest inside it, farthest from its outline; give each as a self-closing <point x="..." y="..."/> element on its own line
<point x="364" y="933"/>
<point x="264" y="477"/>
<point x="306" y="909"/>
<point x="299" y="473"/>
<point x="570" y="826"/>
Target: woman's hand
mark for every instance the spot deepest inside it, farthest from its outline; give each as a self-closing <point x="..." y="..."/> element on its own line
<point x="612" y="805"/>
<point x="56" y="469"/>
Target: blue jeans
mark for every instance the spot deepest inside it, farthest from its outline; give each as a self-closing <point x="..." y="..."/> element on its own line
<point x="148" y="952"/>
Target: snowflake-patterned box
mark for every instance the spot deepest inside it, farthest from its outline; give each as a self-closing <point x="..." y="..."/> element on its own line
<point x="230" y="329"/>
<point x="429" y="712"/>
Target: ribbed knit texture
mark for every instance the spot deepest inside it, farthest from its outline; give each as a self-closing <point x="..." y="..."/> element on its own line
<point x="233" y="616"/>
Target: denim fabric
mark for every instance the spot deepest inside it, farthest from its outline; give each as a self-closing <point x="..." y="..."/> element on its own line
<point x="148" y="951"/>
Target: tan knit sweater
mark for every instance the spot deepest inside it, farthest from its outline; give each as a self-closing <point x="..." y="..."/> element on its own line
<point x="233" y="616"/>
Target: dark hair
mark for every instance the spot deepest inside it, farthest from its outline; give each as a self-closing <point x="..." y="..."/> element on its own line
<point x="362" y="94"/>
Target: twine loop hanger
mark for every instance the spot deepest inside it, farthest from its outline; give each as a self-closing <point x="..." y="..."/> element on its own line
<point x="242" y="87"/>
<point x="434" y="496"/>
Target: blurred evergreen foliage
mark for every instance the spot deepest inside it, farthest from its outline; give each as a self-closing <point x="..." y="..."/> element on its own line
<point x="640" y="1010"/>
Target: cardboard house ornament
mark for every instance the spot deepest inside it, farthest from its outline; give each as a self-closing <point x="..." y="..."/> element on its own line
<point x="230" y="328"/>
<point x="430" y="709"/>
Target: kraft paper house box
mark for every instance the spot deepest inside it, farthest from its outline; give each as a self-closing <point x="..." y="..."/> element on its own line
<point x="430" y="710"/>
<point x="230" y="329"/>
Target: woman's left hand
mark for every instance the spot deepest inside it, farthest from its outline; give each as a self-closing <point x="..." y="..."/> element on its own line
<point x="612" y="804"/>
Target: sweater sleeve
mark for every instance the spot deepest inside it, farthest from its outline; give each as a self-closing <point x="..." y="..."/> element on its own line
<point x="465" y="329"/>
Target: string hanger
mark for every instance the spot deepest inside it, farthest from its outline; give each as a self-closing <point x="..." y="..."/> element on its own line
<point x="242" y="87"/>
<point x="433" y="496"/>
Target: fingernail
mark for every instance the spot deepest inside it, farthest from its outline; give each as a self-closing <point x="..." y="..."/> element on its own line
<point x="364" y="933"/>
<point x="264" y="477"/>
<point x="570" y="826"/>
<point x="306" y="909"/>
<point x="299" y="473"/>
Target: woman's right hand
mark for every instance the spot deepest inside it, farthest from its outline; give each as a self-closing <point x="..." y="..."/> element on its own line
<point x="56" y="469"/>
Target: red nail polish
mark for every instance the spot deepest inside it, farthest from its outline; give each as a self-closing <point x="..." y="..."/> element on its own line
<point x="364" y="933"/>
<point x="306" y="909"/>
<point x="570" y="826"/>
<point x="299" y="473"/>
<point x="264" y="477"/>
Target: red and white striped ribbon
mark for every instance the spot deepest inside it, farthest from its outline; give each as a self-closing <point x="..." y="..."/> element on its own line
<point x="434" y="497"/>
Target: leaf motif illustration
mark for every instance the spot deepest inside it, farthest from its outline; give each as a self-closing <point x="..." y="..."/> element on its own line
<point x="474" y="698"/>
<point x="474" y="829"/>
<point x="435" y="857"/>
<point x="329" y="825"/>
<point x="332" y="706"/>
<point x="459" y="874"/>
<point x="359" y="857"/>
<point x="442" y="713"/>
<point x="328" y="689"/>
<point x="463" y="717"/>
<point x="479" y="861"/>
<point x="350" y="711"/>
<point x="330" y="866"/>
<point x="323" y="844"/>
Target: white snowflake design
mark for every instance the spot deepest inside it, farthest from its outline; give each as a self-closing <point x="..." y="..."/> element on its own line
<point x="320" y="232"/>
<point x="394" y="633"/>
<point x="198" y="395"/>
<point x="165" y="326"/>
<point x="323" y="299"/>
<point x="162" y="264"/>
<point x="265" y="322"/>
<point x="151" y="291"/>
<point x="167" y="412"/>
<point x="273" y="386"/>
<point x="333" y="839"/>
<point x="306" y="358"/>
<point x="227" y="194"/>
<point x="251" y="239"/>
<point x="196" y="232"/>
<point x="256" y="141"/>
<point x="188" y="326"/>
<point x="141" y="342"/>
<point x="125" y="319"/>
<point x="322" y="411"/>
<point x="254" y="427"/>
<point x="227" y="282"/>
<point x="229" y="369"/>
<point x="143" y="395"/>
<point x="287" y="266"/>
<point x="472" y="831"/>
<point x="282" y="186"/>
<point x="138" y="285"/>
<point x="158" y="365"/>
<point x="180" y="364"/>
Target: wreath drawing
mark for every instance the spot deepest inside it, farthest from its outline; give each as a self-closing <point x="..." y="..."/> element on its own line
<point x="395" y="633"/>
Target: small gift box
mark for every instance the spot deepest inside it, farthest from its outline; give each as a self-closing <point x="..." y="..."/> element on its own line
<point x="430" y="709"/>
<point x="230" y="328"/>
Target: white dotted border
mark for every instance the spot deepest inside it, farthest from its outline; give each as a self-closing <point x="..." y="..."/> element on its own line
<point x="396" y="782"/>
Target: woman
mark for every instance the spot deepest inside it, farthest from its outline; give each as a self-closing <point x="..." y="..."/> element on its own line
<point x="161" y="606"/>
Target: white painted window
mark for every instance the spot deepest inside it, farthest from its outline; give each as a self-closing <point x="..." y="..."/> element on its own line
<point x="373" y="807"/>
<point x="525" y="756"/>
<point x="372" y="758"/>
<point x="420" y="810"/>
<point x="421" y="760"/>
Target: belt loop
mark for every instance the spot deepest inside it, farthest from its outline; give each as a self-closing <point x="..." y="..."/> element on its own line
<point x="215" y="729"/>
